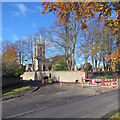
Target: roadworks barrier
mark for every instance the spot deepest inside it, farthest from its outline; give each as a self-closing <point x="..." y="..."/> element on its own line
<point x="102" y="82"/>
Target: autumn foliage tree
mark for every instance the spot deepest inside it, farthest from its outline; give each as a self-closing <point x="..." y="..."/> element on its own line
<point x="114" y="59"/>
<point x="85" y="11"/>
<point x="10" y="66"/>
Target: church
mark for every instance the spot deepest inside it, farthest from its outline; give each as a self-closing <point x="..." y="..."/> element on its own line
<point x="40" y="63"/>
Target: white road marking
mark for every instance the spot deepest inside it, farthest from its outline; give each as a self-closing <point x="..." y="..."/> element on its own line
<point x="86" y="116"/>
<point x="111" y="105"/>
<point x="41" y="95"/>
<point x="61" y="92"/>
<point x="27" y="112"/>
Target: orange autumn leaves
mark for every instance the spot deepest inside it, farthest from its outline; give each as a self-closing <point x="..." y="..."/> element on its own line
<point x="65" y="9"/>
<point x="9" y="55"/>
<point x="83" y="11"/>
<point x="114" y="58"/>
<point x="10" y="61"/>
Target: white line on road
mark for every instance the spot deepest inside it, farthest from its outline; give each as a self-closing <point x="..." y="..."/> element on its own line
<point x="86" y="115"/>
<point x="41" y="95"/>
<point x="61" y="92"/>
<point x="26" y="112"/>
<point x="111" y="105"/>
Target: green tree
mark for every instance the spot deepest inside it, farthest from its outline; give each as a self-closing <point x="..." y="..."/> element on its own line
<point x="88" y="66"/>
<point x="60" y="66"/>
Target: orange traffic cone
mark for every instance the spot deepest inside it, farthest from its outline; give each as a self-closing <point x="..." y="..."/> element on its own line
<point x="42" y="81"/>
<point x="82" y="85"/>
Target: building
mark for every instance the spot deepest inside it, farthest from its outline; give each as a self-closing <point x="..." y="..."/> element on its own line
<point x="40" y="63"/>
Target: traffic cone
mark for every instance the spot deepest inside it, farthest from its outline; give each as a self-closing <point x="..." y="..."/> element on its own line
<point x="82" y="85"/>
<point x="42" y="81"/>
<point x="112" y="85"/>
<point x="60" y="83"/>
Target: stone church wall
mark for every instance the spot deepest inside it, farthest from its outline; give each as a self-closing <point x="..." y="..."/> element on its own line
<point x="64" y="76"/>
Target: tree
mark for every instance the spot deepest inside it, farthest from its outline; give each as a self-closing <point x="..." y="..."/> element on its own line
<point x="65" y="37"/>
<point x="10" y="66"/>
<point x="87" y="66"/>
<point x="22" y="50"/>
<point x="100" y="42"/>
<point x="29" y="43"/>
<point x="41" y="37"/>
<point x="60" y="66"/>
<point x="115" y="59"/>
<point x="84" y="11"/>
<point x="10" y="55"/>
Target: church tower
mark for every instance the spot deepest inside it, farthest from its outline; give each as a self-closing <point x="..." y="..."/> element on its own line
<point x="39" y="56"/>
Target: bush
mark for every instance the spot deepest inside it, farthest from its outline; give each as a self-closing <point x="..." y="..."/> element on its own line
<point x="88" y="67"/>
<point x="12" y="70"/>
<point x="61" y="66"/>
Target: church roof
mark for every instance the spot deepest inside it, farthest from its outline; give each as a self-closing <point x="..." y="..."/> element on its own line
<point x="56" y="59"/>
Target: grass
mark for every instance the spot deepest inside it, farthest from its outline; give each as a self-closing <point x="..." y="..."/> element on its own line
<point x="15" y="90"/>
<point x="115" y="117"/>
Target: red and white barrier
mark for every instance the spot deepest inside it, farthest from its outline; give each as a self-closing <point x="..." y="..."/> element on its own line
<point x="94" y="81"/>
<point x="98" y="80"/>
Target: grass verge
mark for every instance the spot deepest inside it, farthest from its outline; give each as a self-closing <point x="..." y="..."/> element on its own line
<point x="115" y="117"/>
<point x="16" y="90"/>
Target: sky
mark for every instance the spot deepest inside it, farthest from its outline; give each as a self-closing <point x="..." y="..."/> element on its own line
<point x="23" y="19"/>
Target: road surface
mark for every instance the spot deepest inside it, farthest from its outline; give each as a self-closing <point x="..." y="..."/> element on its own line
<point x="61" y="103"/>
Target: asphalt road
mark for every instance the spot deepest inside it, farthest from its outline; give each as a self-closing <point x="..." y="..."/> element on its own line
<point x="62" y="102"/>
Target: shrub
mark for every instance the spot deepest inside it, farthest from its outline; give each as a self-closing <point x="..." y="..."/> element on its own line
<point x="60" y="66"/>
<point x="87" y="67"/>
<point x="12" y="70"/>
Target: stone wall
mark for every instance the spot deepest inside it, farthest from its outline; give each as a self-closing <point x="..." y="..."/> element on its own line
<point x="64" y="76"/>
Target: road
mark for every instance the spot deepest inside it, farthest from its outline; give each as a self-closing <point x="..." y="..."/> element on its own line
<point x="62" y="102"/>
